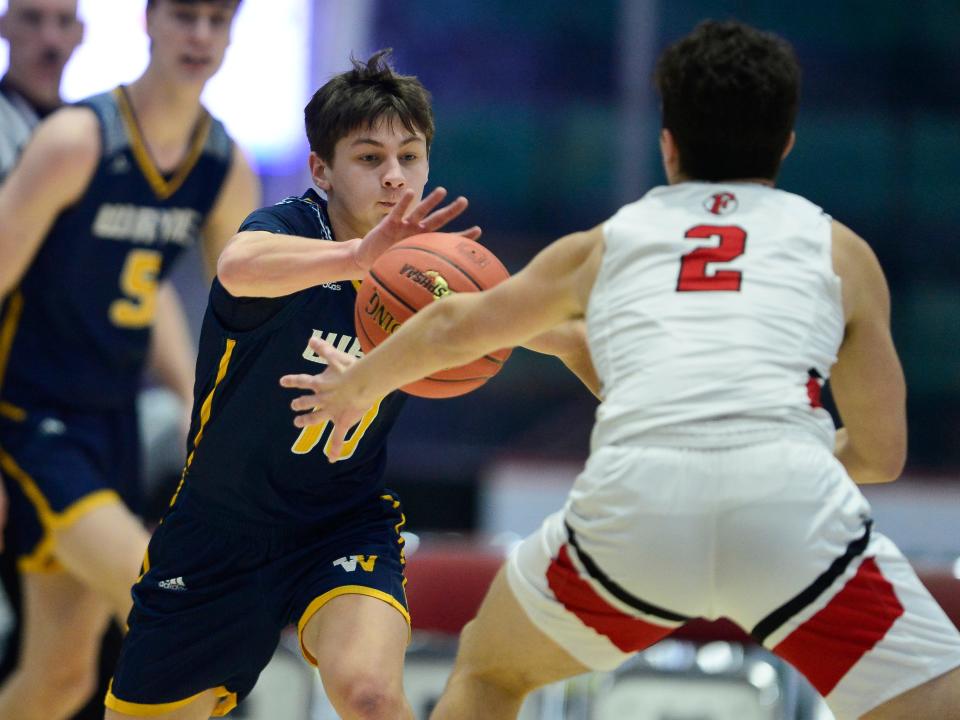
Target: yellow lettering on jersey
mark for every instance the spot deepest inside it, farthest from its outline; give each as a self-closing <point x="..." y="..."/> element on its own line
<point x="367" y="561"/>
<point x="138" y="281"/>
<point x="310" y="436"/>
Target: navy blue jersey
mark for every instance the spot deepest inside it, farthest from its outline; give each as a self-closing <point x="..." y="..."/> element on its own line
<point x="76" y="331"/>
<point x="248" y="465"/>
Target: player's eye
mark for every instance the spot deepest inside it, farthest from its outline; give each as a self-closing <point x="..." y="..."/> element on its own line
<point x="218" y="20"/>
<point x="409" y="157"/>
<point x="32" y="18"/>
<point x="369" y="158"/>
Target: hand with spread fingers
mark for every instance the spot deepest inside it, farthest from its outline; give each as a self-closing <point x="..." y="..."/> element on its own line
<point x="402" y="222"/>
<point x="331" y="396"/>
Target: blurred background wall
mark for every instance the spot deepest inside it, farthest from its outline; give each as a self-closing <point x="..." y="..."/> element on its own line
<point x="547" y="121"/>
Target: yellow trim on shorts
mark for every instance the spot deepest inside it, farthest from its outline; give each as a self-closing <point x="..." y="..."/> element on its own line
<point x="403" y="521"/>
<point x="319" y="602"/>
<point x="8" y="329"/>
<point x="12" y="412"/>
<point x="226" y="702"/>
<point x="161" y="187"/>
<point x="42" y="558"/>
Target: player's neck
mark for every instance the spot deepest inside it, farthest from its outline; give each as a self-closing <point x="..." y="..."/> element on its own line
<point x="341" y="224"/>
<point x="677" y="178"/>
<point x="42" y="102"/>
<point x="167" y="115"/>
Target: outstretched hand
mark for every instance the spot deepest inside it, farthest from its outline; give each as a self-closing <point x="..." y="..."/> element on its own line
<point x="330" y="397"/>
<point x="402" y="222"/>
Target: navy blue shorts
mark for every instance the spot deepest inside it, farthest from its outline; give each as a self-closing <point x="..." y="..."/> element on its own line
<point x="209" y="610"/>
<point x="57" y="465"/>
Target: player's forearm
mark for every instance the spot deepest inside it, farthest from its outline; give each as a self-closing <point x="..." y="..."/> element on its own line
<point x="171" y="346"/>
<point x="882" y="466"/>
<point x="437" y="337"/>
<point x="264" y="264"/>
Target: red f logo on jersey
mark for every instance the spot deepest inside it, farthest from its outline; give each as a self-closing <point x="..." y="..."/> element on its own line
<point x="721" y="203"/>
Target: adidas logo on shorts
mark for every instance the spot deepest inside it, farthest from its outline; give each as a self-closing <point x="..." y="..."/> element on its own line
<point x="172" y="584"/>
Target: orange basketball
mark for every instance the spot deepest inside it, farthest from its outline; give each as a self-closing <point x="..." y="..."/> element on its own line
<point x="414" y="273"/>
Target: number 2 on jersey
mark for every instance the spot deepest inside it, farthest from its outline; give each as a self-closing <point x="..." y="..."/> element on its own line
<point x="138" y="282"/>
<point x="693" y="265"/>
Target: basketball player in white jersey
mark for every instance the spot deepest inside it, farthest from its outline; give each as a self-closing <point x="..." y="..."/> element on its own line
<point x="715" y="307"/>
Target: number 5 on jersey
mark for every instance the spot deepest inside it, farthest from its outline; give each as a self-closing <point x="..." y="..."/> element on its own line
<point x="138" y="282"/>
<point x="694" y="265"/>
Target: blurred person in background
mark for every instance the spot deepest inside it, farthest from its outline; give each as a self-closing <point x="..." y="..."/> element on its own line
<point x="104" y="197"/>
<point x="717" y="485"/>
<point x="41" y="36"/>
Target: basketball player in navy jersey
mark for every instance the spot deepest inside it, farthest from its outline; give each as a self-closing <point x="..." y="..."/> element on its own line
<point x="104" y="198"/>
<point x="717" y="484"/>
<point x="265" y="531"/>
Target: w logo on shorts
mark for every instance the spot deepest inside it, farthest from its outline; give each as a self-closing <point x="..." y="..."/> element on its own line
<point x="350" y="563"/>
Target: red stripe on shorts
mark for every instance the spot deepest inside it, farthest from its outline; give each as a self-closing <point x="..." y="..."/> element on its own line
<point x="628" y="633"/>
<point x="831" y="642"/>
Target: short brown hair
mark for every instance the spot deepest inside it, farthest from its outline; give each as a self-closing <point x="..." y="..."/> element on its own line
<point x="730" y="94"/>
<point x="361" y="97"/>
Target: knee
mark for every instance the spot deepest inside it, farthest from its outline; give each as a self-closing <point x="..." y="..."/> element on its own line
<point x="477" y="667"/>
<point x="366" y="697"/>
<point x="61" y="688"/>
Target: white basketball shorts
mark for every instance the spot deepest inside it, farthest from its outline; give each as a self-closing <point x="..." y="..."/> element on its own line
<point x="774" y="536"/>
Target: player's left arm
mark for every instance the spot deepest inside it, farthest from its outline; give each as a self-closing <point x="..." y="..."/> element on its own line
<point x="172" y="355"/>
<point x="239" y="196"/>
<point x="552" y="289"/>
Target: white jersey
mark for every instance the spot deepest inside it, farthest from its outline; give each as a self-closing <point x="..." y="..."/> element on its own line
<point x="18" y="120"/>
<point x="715" y="317"/>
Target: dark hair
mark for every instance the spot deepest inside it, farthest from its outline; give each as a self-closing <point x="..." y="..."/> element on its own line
<point x="151" y="3"/>
<point x="730" y="94"/>
<point x="361" y="97"/>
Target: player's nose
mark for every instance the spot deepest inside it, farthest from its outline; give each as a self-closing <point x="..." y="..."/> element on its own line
<point x="393" y="176"/>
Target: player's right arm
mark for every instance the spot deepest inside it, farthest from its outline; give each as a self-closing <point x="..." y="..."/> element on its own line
<point x="52" y="174"/>
<point x="258" y="263"/>
<point x="867" y="381"/>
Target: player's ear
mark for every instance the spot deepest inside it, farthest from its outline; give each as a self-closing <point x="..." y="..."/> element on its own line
<point x="318" y="171"/>
<point x="668" y="146"/>
<point x="789" y="146"/>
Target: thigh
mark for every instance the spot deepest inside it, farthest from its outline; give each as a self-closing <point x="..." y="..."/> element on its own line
<point x="360" y="559"/>
<point x="355" y="634"/>
<point x="503" y="644"/>
<point x="105" y="548"/>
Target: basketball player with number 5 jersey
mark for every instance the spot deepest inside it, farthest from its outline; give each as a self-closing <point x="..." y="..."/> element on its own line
<point x="717" y="486"/>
